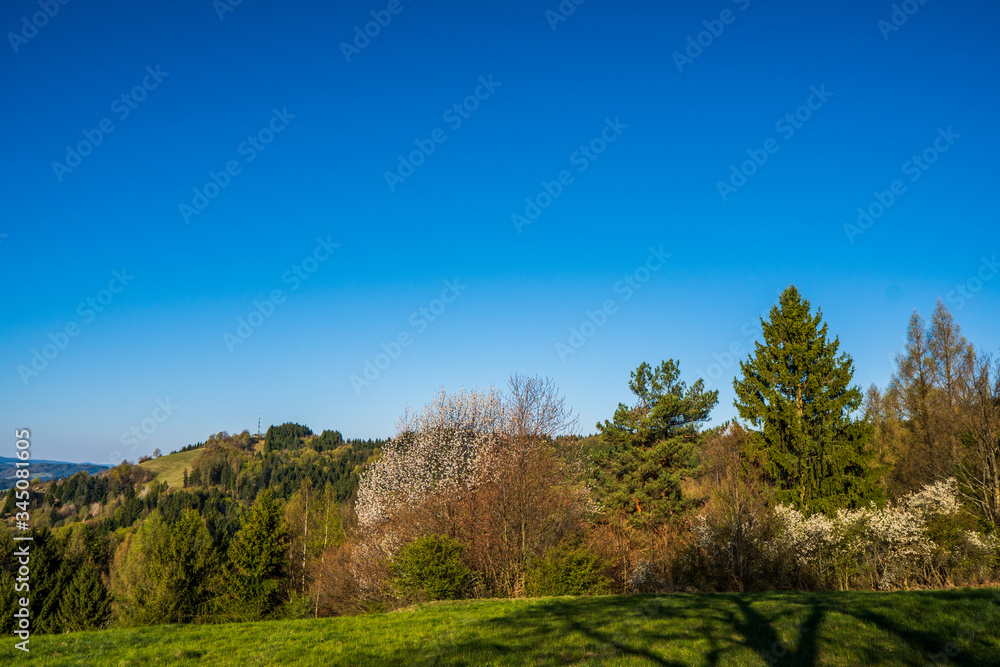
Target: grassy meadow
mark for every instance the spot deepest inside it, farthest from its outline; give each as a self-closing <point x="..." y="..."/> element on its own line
<point x="958" y="627"/>
<point x="170" y="468"/>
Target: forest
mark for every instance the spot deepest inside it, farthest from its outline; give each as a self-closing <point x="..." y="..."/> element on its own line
<point x="493" y="493"/>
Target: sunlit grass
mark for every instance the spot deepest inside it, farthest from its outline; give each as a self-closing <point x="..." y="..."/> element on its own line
<point x="170" y="468"/>
<point x="956" y="627"/>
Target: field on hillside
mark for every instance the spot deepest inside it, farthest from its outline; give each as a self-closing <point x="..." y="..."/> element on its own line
<point x="170" y="468"/>
<point x="956" y="627"/>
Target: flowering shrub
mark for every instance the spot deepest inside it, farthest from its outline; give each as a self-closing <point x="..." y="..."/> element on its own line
<point x="920" y="540"/>
<point x="882" y="548"/>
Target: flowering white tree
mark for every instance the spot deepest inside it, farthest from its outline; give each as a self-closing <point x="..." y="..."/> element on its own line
<point x="440" y="449"/>
<point x="485" y="468"/>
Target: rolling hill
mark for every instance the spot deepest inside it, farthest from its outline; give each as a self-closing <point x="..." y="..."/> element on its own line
<point x="170" y="468"/>
<point x="44" y="470"/>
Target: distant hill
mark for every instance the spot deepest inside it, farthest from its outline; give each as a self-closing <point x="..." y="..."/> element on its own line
<point x="44" y="470"/>
<point x="170" y="467"/>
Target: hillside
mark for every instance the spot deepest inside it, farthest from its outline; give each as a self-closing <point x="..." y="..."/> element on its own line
<point x="848" y="629"/>
<point x="170" y="468"/>
<point x="45" y="470"/>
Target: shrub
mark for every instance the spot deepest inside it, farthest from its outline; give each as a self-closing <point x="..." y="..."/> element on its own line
<point x="567" y="569"/>
<point x="431" y="568"/>
<point x="922" y="539"/>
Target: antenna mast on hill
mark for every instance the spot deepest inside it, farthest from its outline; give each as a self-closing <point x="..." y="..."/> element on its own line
<point x="258" y="424"/>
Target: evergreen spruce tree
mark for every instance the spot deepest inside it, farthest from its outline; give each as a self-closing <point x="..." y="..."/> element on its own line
<point x="796" y="392"/>
<point x="164" y="573"/>
<point x="649" y="446"/>
<point x="257" y="560"/>
<point x="86" y="604"/>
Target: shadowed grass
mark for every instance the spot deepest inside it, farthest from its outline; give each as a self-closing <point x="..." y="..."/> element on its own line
<point x="909" y="628"/>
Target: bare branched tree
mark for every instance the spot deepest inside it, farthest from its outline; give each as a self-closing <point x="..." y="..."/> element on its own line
<point x="535" y="408"/>
<point x="979" y="471"/>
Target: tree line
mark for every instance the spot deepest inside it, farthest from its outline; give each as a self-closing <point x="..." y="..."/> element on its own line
<point x="816" y="485"/>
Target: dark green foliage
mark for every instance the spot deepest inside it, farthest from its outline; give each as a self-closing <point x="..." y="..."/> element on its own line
<point x="431" y="568"/>
<point x="85" y="604"/>
<point x="188" y="448"/>
<point x="286" y="436"/>
<point x="328" y="440"/>
<point x="8" y="595"/>
<point x="257" y="560"/>
<point x="567" y="569"/>
<point x="649" y="446"/>
<point x="796" y="391"/>
<point x="164" y="573"/>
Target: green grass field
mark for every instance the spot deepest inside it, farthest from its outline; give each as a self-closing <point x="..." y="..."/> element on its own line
<point x="957" y="627"/>
<point x="170" y="468"/>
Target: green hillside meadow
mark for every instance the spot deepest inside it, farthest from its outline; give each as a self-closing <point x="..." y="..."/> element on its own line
<point x="957" y="627"/>
<point x="170" y="468"/>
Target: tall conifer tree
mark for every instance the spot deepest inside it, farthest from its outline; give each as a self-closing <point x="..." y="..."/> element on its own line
<point x="257" y="557"/>
<point x="796" y="392"/>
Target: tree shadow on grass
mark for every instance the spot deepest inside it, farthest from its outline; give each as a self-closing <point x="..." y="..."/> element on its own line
<point x="793" y="629"/>
<point x="972" y="641"/>
<point x="726" y="623"/>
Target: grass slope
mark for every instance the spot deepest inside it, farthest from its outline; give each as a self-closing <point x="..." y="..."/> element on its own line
<point x="170" y="468"/>
<point x="957" y="627"/>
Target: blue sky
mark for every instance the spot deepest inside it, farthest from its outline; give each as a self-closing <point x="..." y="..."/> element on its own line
<point x="288" y="137"/>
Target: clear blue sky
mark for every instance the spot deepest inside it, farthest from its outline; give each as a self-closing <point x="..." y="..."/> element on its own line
<point x="278" y="73"/>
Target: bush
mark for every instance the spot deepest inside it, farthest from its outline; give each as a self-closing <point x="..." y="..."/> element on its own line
<point x="431" y="568"/>
<point x="567" y="569"/>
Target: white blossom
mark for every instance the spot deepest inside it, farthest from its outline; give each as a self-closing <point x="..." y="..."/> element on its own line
<point x="438" y="450"/>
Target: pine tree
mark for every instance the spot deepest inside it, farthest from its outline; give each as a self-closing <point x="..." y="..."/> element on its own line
<point x="649" y="446"/>
<point x="796" y="392"/>
<point x="257" y="560"/>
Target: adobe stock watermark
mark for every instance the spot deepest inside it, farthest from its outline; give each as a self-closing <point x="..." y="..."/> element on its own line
<point x="594" y="320"/>
<point x="565" y="9"/>
<point x="787" y="125"/>
<point x="419" y="321"/>
<point x="31" y="26"/>
<point x="915" y="167"/>
<point x="967" y="291"/>
<point x="381" y="18"/>
<point x="454" y="116"/>
<point x="122" y="107"/>
<point x="293" y="277"/>
<point x="141" y="432"/>
<point x="713" y="30"/>
<point x="581" y="158"/>
<point x="223" y="7"/>
<point x="901" y="13"/>
<point x="735" y="351"/>
<point x="59" y="341"/>
<point x="249" y="149"/>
